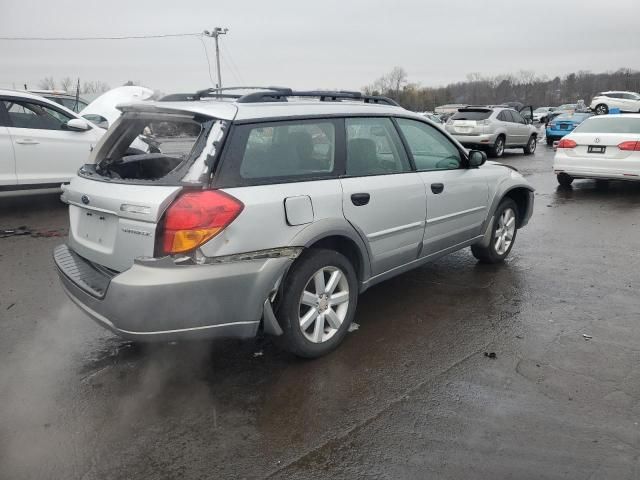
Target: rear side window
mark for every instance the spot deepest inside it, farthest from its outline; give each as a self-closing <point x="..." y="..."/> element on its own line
<point x="610" y="125"/>
<point x="291" y="149"/>
<point x="469" y="114"/>
<point x="374" y="147"/>
<point x="430" y="148"/>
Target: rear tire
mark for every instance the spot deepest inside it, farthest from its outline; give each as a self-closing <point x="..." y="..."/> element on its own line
<point x="315" y="311"/>
<point x="564" y="180"/>
<point x="530" y="149"/>
<point x="497" y="150"/>
<point x="601" y="109"/>
<point x="503" y="234"/>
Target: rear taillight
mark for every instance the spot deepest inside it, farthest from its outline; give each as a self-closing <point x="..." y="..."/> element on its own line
<point x="631" y="146"/>
<point x="196" y="217"/>
<point x="567" y="143"/>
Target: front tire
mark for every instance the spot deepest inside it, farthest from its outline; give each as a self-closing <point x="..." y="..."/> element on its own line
<point x="564" y="180"/>
<point x="318" y="303"/>
<point x="530" y="149"/>
<point x="503" y="234"/>
<point x="497" y="150"/>
<point x="601" y="109"/>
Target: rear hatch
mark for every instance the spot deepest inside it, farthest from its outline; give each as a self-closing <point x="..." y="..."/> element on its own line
<point x="469" y="121"/>
<point x="140" y="166"/>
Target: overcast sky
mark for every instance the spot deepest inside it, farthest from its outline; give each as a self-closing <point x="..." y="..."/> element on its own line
<point x="316" y="44"/>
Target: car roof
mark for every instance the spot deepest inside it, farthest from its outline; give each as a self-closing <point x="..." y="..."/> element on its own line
<point x="237" y="111"/>
<point x="616" y="115"/>
<point x="618" y="91"/>
<point x="22" y="94"/>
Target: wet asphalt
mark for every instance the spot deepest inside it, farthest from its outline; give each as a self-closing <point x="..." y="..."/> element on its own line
<point x="409" y="395"/>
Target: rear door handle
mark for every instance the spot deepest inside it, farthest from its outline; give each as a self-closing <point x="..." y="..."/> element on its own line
<point x="437" y="187"/>
<point x="359" y="199"/>
<point x="27" y="141"/>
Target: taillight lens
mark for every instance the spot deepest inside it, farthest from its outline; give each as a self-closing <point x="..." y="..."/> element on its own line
<point x="196" y="217"/>
<point x="567" y="143"/>
<point x="630" y="146"/>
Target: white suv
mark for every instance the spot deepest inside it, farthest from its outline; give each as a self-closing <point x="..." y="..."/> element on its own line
<point x="624" y="101"/>
<point x="272" y="211"/>
<point x="42" y="143"/>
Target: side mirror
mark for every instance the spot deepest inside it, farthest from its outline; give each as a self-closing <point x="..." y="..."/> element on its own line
<point x="77" y="125"/>
<point x="477" y="158"/>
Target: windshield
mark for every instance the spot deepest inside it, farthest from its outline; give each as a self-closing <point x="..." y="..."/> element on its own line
<point x="149" y="146"/>
<point x="611" y="125"/>
<point x="467" y="114"/>
<point x="567" y="106"/>
<point x="541" y="110"/>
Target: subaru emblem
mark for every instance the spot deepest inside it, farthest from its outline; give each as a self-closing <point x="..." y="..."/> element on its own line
<point x="597" y="140"/>
<point x="85" y="199"/>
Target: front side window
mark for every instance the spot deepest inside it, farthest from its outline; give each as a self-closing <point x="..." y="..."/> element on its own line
<point x="374" y="147"/>
<point x="430" y="148"/>
<point x="288" y="149"/>
<point x="36" y="116"/>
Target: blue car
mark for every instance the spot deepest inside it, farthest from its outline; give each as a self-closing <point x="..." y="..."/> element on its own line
<point x="564" y="124"/>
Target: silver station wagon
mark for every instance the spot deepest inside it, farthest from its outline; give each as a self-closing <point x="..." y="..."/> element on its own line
<point x="273" y="209"/>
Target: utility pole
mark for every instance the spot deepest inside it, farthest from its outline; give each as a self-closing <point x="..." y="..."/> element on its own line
<point x="215" y="34"/>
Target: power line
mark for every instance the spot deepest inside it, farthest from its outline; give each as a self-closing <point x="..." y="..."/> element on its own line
<point x="125" y="37"/>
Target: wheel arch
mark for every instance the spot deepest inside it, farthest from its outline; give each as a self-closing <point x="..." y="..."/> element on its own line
<point x="339" y="236"/>
<point x="523" y="198"/>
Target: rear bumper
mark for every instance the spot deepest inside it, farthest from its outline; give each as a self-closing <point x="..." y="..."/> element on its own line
<point x="485" y="140"/>
<point x="161" y="301"/>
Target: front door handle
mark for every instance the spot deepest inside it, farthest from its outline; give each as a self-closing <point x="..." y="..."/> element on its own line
<point x="27" y="141"/>
<point x="359" y="199"/>
<point x="437" y="187"/>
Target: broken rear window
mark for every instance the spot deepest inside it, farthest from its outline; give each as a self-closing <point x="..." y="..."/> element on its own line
<point x="150" y="146"/>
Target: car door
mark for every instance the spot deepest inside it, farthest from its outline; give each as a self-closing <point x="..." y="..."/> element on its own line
<point x="521" y="129"/>
<point x="629" y="103"/>
<point x="457" y="196"/>
<point x="45" y="152"/>
<point x="383" y="198"/>
<point x="511" y="127"/>
<point x="7" y="159"/>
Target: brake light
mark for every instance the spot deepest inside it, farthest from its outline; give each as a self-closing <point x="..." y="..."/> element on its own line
<point x="567" y="143"/>
<point x="195" y="218"/>
<point x="630" y="146"/>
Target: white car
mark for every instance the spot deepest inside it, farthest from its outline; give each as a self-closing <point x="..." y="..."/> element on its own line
<point x="602" y="148"/>
<point x="42" y="143"/>
<point x="624" y="101"/>
<point x="103" y="112"/>
<point x="540" y="113"/>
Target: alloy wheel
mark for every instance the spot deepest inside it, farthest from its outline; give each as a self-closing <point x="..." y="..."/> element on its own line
<point x="324" y="304"/>
<point x="505" y="230"/>
<point x="499" y="147"/>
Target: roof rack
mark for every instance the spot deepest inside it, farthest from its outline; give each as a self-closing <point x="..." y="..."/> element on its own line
<point x="281" y="95"/>
<point x="277" y="94"/>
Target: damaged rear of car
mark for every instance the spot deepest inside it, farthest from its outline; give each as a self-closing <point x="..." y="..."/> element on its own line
<point x="139" y="213"/>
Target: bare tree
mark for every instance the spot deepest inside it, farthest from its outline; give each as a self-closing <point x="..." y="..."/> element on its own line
<point x="397" y="78"/>
<point x="67" y="84"/>
<point x="95" y="86"/>
<point x="47" y="83"/>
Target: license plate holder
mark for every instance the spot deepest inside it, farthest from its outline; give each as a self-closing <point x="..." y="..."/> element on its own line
<point x="96" y="227"/>
<point x="596" y="149"/>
